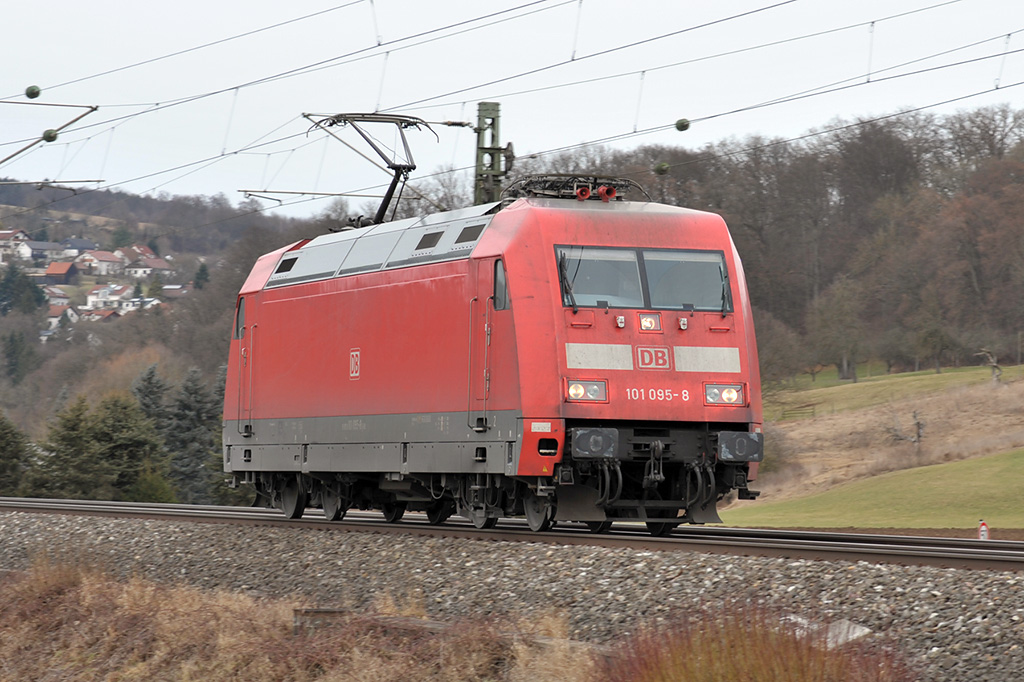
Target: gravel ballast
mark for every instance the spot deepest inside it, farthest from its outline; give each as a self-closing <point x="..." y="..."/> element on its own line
<point x="952" y="624"/>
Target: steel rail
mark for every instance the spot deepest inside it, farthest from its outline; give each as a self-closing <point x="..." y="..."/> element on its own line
<point x="1002" y="555"/>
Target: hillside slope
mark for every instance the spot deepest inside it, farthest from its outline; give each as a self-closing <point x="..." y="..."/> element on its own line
<point x="970" y="418"/>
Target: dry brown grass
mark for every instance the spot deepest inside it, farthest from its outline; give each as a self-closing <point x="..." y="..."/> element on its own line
<point x="961" y="422"/>
<point x="561" y="655"/>
<point x="62" y="621"/>
<point x="750" y="645"/>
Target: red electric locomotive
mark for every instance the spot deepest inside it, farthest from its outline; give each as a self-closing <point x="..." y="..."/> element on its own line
<point x="563" y="354"/>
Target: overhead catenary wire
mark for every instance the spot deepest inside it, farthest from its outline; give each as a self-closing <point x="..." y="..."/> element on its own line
<point x="355" y="55"/>
<point x="599" y="141"/>
<point x="198" y="47"/>
<point x="152" y="108"/>
<point x="593" y="55"/>
<point x="622" y="136"/>
<point x="609" y="51"/>
<point x="730" y="53"/>
<point x="704" y="157"/>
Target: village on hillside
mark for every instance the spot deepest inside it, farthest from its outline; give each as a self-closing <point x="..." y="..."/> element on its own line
<point x="123" y="279"/>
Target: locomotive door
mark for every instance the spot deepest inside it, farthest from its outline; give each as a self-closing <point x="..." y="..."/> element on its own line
<point x="490" y="330"/>
<point x="491" y="295"/>
<point x="245" y="333"/>
<point x="482" y="279"/>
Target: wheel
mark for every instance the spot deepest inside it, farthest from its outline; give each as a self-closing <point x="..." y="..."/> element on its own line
<point x="438" y="512"/>
<point x="480" y="519"/>
<point x="485" y="522"/>
<point x="393" y="511"/>
<point x="334" y="506"/>
<point x="293" y="497"/>
<point x="598" y="526"/>
<point x="539" y="512"/>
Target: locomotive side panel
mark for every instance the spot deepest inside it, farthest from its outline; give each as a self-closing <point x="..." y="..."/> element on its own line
<point x="370" y="373"/>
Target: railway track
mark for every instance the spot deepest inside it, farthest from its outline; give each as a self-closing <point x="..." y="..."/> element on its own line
<point x="999" y="555"/>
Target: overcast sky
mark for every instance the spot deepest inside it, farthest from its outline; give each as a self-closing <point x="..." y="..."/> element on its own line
<point x="207" y="97"/>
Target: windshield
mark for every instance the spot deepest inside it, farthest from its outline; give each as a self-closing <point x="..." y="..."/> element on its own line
<point x="653" y="279"/>
<point x="603" y="278"/>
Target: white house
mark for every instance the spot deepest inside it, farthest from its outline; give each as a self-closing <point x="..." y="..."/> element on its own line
<point x="9" y="240"/>
<point x="56" y="295"/>
<point x="147" y="267"/>
<point x="32" y="250"/>
<point x="106" y="296"/>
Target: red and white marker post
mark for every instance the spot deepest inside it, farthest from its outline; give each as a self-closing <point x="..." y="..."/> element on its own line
<point x="982" y="530"/>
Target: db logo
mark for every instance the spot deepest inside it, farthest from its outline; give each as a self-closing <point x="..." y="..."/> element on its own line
<point x="353" y="364"/>
<point x="652" y="357"/>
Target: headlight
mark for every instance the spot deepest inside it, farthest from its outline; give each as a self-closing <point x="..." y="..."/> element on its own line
<point x="650" y="322"/>
<point x="723" y="394"/>
<point x="587" y="391"/>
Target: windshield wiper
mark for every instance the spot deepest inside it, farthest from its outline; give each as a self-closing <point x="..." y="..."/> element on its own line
<point x="726" y="291"/>
<point x="563" y="274"/>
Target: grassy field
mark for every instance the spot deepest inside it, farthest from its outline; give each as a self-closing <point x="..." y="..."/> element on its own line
<point x="828" y="395"/>
<point x="953" y="495"/>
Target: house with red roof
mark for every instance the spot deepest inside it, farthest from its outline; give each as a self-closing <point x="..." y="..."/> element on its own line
<point x="103" y="263"/>
<point x="60" y="272"/>
<point x="148" y="267"/>
<point x="53" y="317"/>
<point x="99" y="315"/>
<point x="135" y="252"/>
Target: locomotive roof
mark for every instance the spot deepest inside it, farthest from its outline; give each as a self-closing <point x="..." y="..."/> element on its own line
<point x="437" y="237"/>
<point x="446" y="236"/>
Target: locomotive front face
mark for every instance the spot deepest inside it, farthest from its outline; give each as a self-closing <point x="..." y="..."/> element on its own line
<point x="658" y="377"/>
<point x="664" y="318"/>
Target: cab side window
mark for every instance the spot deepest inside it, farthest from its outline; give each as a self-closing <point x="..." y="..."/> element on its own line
<point x="501" y="301"/>
<point x="240" y="319"/>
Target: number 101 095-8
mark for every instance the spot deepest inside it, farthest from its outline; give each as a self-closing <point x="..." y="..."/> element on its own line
<point x="656" y="394"/>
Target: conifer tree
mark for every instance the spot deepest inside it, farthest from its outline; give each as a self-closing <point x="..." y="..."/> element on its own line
<point x="68" y="465"/>
<point x="109" y="453"/>
<point x="202" y="276"/>
<point x="191" y="438"/>
<point x="123" y="437"/>
<point x="13" y="456"/>
<point x="19" y="293"/>
<point x="155" y="288"/>
<point x="20" y="356"/>
<point x="150" y="390"/>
